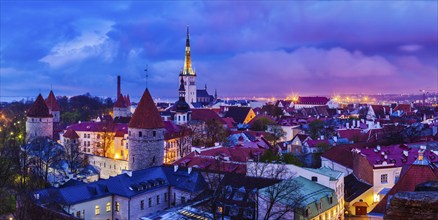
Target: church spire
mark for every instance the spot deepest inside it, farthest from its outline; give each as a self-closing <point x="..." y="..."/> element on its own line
<point x="187" y="61"/>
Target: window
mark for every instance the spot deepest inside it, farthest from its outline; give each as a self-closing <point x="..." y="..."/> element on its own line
<point x="314" y="179"/>
<point x="154" y="133"/>
<point x="306" y="213"/>
<point x="83" y="213"/>
<point x="165" y="197"/>
<point x="384" y="178"/>
<point x="88" y="135"/>
<point x="142" y="204"/>
<point x="331" y="199"/>
<point x="117" y="207"/>
<point x="183" y="199"/>
<point x="78" y="214"/>
<point x="220" y="209"/>
<point x="140" y="134"/>
<point x="85" y="135"/>
<point x="98" y="136"/>
<point x="158" y="199"/>
<point x="150" y="202"/>
<point x="108" y="207"/>
<point x="97" y="210"/>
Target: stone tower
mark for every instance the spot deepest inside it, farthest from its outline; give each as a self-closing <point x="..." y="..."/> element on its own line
<point x="181" y="111"/>
<point x="39" y="121"/>
<point x="145" y="135"/>
<point x="120" y="108"/>
<point x="53" y="106"/>
<point x="70" y="137"/>
<point x="188" y="74"/>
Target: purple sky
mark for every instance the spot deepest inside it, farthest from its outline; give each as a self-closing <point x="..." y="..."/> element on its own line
<point x="241" y="48"/>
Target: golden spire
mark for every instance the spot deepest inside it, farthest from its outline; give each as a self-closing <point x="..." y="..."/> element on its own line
<point x="187" y="61"/>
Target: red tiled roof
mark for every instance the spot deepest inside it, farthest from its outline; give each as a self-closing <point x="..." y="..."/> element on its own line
<point x="222" y="159"/>
<point x="120" y="103"/>
<point x="70" y="133"/>
<point x="416" y="174"/>
<point x="314" y="143"/>
<point x="341" y="155"/>
<point x="395" y="155"/>
<point x="39" y="109"/>
<point x="52" y="103"/>
<point x="403" y="107"/>
<point x="206" y="115"/>
<point x="146" y="114"/>
<point x="312" y="100"/>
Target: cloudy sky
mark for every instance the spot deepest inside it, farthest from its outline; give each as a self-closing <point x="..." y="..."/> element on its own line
<point x="241" y="48"/>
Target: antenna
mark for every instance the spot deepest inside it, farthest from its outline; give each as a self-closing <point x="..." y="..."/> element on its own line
<point x="146" y="72"/>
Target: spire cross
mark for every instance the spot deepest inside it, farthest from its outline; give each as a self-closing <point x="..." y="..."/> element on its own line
<point x="146" y="73"/>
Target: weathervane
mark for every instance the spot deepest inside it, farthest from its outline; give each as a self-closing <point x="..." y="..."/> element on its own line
<point x="146" y="71"/>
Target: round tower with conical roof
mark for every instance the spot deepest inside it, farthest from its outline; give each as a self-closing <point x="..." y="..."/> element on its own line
<point x="145" y="135"/>
<point x="39" y="121"/>
<point x="53" y="106"/>
<point x="121" y="108"/>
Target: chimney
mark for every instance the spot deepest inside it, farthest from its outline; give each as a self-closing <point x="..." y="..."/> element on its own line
<point x="189" y="170"/>
<point x="175" y="168"/>
<point x="118" y="87"/>
<point x="405" y="153"/>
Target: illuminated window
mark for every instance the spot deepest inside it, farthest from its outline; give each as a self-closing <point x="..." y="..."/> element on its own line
<point x="108" y="206"/>
<point x="117" y="206"/>
<point x="220" y="209"/>
<point x="384" y="178"/>
<point x="97" y="210"/>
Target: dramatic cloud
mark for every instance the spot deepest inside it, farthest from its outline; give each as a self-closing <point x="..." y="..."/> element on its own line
<point x="241" y="48"/>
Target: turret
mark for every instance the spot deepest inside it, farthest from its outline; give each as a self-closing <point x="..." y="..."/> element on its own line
<point x="145" y="135"/>
<point x="120" y="108"/>
<point x="39" y="121"/>
<point x="53" y="106"/>
<point x="181" y="111"/>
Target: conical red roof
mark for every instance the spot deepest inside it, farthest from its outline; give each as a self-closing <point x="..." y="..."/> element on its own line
<point x="39" y="109"/>
<point x="146" y="115"/>
<point x="70" y="133"/>
<point x="52" y="103"/>
<point x="120" y="103"/>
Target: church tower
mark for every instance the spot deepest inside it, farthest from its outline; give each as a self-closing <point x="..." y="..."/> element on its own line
<point x="181" y="110"/>
<point x="39" y="122"/>
<point x="188" y="74"/>
<point x="145" y="135"/>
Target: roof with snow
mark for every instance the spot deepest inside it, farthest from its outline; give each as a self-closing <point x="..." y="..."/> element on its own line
<point x="127" y="186"/>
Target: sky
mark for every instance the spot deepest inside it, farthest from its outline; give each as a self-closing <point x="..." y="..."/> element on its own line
<point x="240" y="48"/>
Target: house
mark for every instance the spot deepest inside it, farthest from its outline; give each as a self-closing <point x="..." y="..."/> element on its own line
<point x="338" y="158"/>
<point x="420" y="171"/>
<point x="241" y="115"/>
<point x="131" y="195"/>
<point x="315" y="201"/>
<point x="309" y="102"/>
<point x="378" y="112"/>
<point x="236" y="196"/>
<point x="358" y="196"/>
<point x="381" y="167"/>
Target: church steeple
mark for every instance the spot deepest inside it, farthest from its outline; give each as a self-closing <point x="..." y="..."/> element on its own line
<point x="187" y="60"/>
<point x="182" y="90"/>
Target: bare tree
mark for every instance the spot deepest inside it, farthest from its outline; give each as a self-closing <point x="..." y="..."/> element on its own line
<point x="280" y="200"/>
<point x="107" y="137"/>
<point x="73" y="157"/>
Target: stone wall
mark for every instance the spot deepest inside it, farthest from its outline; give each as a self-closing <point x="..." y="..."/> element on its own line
<point x="107" y="166"/>
<point x="39" y="127"/>
<point x="146" y="150"/>
<point x="413" y="205"/>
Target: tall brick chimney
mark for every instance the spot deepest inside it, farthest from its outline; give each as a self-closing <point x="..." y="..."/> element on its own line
<point x="118" y="87"/>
